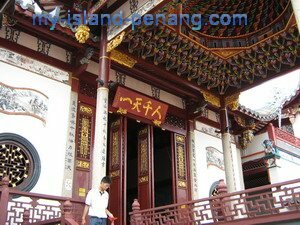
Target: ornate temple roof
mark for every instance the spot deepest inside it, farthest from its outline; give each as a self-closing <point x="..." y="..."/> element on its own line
<point x="271" y="96"/>
<point x="220" y="60"/>
<point x="260" y="14"/>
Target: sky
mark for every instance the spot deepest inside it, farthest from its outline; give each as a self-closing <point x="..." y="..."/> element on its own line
<point x="267" y="97"/>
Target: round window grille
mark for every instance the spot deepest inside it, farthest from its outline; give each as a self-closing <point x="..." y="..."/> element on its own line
<point x="19" y="161"/>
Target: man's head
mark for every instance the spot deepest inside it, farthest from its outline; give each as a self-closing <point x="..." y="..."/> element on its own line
<point x="105" y="183"/>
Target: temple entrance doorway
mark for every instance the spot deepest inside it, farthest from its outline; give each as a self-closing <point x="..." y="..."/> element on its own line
<point x="141" y="166"/>
<point x="162" y="167"/>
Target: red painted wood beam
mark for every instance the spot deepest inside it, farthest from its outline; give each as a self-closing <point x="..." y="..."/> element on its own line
<point x="164" y="74"/>
<point x="156" y="81"/>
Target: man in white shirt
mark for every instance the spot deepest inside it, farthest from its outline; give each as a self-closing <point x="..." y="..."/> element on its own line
<point x="96" y="204"/>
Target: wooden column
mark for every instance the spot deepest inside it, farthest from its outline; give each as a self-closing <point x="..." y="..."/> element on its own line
<point x="145" y="168"/>
<point x="117" y="169"/>
<point x="100" y="142"/>
<point x="180" y="172"/>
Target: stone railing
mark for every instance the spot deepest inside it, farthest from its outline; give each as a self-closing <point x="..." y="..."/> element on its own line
<point x="277" y="202"/>
<point x="24" y="208"/>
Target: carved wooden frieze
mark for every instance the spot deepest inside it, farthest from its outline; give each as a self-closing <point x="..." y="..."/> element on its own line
<point x="34" y="66"/>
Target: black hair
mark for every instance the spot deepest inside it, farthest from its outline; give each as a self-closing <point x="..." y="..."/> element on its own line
<point x="106" y="180"/>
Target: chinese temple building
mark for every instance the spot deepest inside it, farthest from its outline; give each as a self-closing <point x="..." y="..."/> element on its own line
<point x="159" y="108"/>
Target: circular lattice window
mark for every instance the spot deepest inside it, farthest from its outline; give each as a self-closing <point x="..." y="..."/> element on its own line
<point x="19" y="161"/>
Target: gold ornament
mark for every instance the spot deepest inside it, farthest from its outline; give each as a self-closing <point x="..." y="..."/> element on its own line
<point x="246" y="138"/>
<point x="122" y="111"/>
<point x="157" y="123"/>
<point x="122" y="58"/>
<point x="232" y="101"/>
<point x="115" y="42"/>
<point x="212" y="99"/>
<point x="82" y="33"/>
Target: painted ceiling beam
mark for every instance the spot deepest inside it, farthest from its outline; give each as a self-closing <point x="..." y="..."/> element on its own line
<point x="129" y="8"/>
<point x="97" y="7"/>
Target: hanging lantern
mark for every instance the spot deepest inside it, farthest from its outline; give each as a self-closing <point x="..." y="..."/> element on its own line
<point x="246" y="138"/>
<point x="248" y="135"/>
<point x="82" y="33"/>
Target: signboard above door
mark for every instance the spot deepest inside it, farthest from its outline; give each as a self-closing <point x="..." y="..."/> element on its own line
<point x="128" y="101"/>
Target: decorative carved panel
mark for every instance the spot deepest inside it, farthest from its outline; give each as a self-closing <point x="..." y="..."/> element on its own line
<point x="145" y="167"/>
<point x="115" y="150"/>
<point x="214" y="157"/>
<point x="34" y="66"/>
<point x="117" y="164"/>
<point x="181" y="186"/>
<point x="144" y="156"/>
<point x="84" y="143"/>
<point x="120" y="78"/>
<point x="12" y="34"/>
<point x="43" y="47"/>
<point x="87" y="89"/>
<point x="175" y="121"/>
<point x="181" y="163"/>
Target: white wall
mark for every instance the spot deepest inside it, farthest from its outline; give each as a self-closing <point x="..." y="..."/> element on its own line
<point x="256" y="144"/>
<point x="207" y="175"/>
<point x="287" y="168"/>
<point x="49" y="139"/>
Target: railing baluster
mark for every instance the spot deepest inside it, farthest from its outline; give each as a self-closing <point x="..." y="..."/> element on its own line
<point x="4" y="200"/>
<point x="257" y="204"/>
<point x="26" y="216"/>
<point x="136" y="217"/>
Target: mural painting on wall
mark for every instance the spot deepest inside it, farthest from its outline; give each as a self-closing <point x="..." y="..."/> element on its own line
<point x="127" y="101"/>
<point x="23" y="101"/>
<point x="214" y="157"/>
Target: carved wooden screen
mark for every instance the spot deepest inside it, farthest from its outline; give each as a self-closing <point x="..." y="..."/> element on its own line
<point x="84" y="139"/>
<point x="117" y="191"/>
<point x="145" y="168"/>
<point x="180" y="170"/>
